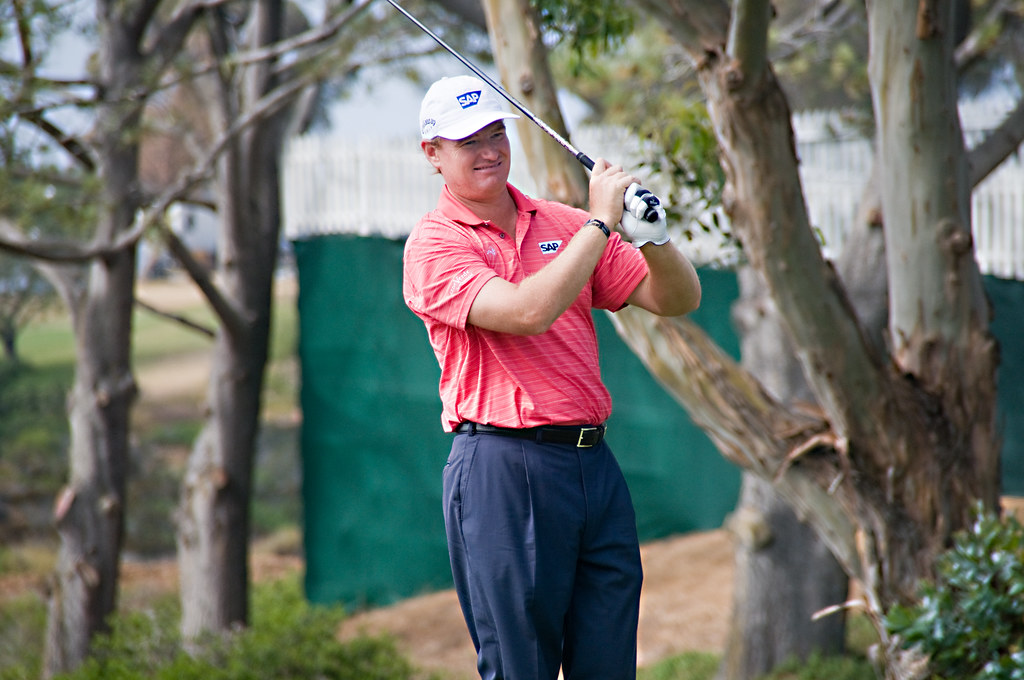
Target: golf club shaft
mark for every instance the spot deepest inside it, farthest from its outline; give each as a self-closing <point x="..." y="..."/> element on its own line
<point x="650" y="201"/>
<point x="580" y="156"/>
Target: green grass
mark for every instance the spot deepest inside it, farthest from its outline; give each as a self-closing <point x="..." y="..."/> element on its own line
<point x="22" y="631"/>
<point x="825" y="668"/>
<point x="156" y="337"/>
<point x="687" y="666"/>
<point x="33" y="427"/>
<point x="704" y="666"/>
<point x="860" y="635"/>
<point x="50" y="342"/>
<point x="47" y="343"/>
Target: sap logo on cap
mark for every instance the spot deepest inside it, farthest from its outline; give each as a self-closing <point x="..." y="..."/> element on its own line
<point x="469" y="99"/>
<point x="548" y="247"/>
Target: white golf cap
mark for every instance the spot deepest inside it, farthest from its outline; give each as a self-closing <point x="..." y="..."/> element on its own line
<point x="456" y="107"/>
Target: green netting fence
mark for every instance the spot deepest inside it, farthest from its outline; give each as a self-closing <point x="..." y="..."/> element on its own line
<point x="373" y="449"/>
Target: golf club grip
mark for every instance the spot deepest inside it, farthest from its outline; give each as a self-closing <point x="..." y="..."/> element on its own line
<point x="650" y="215"/>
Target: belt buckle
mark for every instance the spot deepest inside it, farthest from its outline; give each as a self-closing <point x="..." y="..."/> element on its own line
<point x="583" y="432"/>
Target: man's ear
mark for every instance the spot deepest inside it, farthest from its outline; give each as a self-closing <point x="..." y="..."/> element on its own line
<point x="430" y="150"/>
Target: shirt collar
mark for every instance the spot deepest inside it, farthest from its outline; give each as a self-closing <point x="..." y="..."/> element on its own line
<point x="454" y="209"/>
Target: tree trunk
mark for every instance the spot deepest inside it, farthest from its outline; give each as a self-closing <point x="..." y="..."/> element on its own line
<point x="784" y="573"/>
<point x="938" y="316"/>
<point x="523" y="62"/>
<point x="752" y="650"/>
<point x="213" y="514"/>
<point x="909" y="441"/>
<point x="89" y="511"/>
<point x="213" y="517"/>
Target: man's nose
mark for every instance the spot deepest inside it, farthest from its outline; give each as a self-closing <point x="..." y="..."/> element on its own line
<point x="492" y="147"/>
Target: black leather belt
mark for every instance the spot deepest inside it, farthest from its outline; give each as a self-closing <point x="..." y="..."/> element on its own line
<point x="581" y="436"/>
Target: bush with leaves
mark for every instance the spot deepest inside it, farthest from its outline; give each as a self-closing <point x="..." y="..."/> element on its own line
<point x="289" y="639"/>
<point x="970" y="621"/>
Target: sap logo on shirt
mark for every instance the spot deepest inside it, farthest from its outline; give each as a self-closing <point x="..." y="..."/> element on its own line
<point x="550" y="247"/>
<point x="469" y="99"/>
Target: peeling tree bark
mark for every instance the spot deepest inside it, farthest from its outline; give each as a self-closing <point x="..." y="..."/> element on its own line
<point x="523" y="62"/>
<point x="794" y="448"/>
<point x="905" y="442"/>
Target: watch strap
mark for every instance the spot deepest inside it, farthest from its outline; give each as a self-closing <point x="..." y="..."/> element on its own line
<point x="600" y="225"/>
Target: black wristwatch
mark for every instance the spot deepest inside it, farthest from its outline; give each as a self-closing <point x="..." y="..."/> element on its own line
<point x="600" y="225"/>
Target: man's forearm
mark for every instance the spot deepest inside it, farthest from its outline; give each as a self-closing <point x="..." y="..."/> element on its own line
<point x="532" y="305"/>
<point x="557" y="285"/>
<point x="672" y="286"/>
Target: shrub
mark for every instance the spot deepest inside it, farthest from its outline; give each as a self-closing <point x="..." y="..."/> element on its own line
<point x="22" y="628"/>
<point x="818" y="667"/>
<point x="288" y="640"/>
<point x="970" y="621"/>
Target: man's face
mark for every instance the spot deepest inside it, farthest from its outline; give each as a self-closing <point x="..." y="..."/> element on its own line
<point x="476" y="167"/>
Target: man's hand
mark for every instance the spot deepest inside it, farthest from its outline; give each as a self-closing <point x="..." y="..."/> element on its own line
<point x="638" y="230"/>
<point x="607" y="188"/>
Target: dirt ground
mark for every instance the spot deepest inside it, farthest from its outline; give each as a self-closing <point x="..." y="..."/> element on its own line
<point x="687" y="580"/>
<point x="684" y="606"/>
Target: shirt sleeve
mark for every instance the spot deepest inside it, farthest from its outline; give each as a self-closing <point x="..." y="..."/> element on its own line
<point x="619" y="271"/>
<point x="444" y="270"/>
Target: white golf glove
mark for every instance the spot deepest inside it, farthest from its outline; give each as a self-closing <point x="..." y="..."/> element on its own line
<point x="638" y="230"/>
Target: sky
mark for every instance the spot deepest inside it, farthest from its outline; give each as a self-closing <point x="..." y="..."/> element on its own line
<point x="379" y="103"/>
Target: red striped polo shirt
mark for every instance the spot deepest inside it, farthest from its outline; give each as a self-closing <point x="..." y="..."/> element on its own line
<point x="499" y="378"/>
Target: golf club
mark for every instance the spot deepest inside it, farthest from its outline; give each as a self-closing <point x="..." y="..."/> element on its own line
<point x="651" y="201"/>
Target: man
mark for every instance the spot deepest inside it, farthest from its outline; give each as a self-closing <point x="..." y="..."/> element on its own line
<point x="541" y="531"/>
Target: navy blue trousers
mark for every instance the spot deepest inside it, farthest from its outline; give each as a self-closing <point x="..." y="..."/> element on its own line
<point x="545" y="557"/>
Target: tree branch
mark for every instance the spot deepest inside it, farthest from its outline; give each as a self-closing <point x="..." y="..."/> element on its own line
<point x="973" y="46"/>
<point x="177" y="318"/>
<point x="313" y="39"/>
<point x="270" y="104"/>
<point x="699" y="27"/>
<point x="24" y="32"/>
<point x="228" y="313"/>
<point x="997" y="146"/>
<point x="818" y="19"/>
<point x="8" y="68"/>
<point x="171" y="36"/>
<point x="69" y="143"/>
<point x="793" y="449"/>
<point x="747" y="44"/>
<point x="14" y="241"/>
<point x="65" y="279"/>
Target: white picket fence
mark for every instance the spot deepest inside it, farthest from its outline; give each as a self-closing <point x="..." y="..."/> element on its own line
<point x="381" y="187"/>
